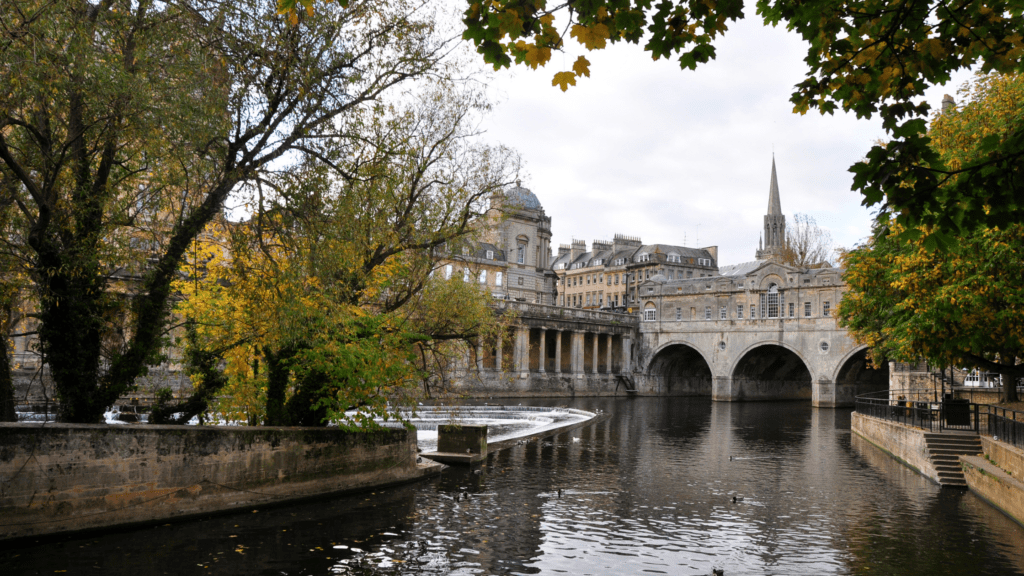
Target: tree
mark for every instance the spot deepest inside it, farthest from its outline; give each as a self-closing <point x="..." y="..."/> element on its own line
<point x="807" y="244"/>
<point x="128" y="123"/>
<point x="958" y="307"/>
<point x="961" y="306"/>
<point x="325" y="299"/>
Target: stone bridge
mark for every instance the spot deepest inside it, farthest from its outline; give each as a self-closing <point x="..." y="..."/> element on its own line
<point x="759" y="331"/>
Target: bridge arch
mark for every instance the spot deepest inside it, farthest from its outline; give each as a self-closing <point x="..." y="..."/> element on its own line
<point x="771" y="371"/>
<point x="678" y="369"/>
<point x="853" y="370"/>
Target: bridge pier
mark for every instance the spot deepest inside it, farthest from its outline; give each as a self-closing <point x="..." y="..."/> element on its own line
<point x="722" y="389"/>
<point x="828" y="394"/>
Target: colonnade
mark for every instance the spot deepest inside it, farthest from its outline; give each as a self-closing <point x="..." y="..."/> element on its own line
<point x="551" y="351"/>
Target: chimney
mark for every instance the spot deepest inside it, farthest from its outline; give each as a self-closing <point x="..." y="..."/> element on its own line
<point x="713" y="250"/>
<point x="948" y="103"/>
<point x="601" y="246"/>
<point x="578" y="248"/>
<point x="622" y="242"/>
<point x="563" y="249"/>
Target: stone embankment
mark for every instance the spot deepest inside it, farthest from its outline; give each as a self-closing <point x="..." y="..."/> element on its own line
<point x="998" y="476"/>
<point x="66" y="477"/>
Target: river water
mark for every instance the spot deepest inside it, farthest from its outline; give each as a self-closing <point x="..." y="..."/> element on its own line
<point x="648" y="491"/>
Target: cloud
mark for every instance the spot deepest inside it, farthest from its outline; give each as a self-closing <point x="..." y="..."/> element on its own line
<point x="678" y="156"/>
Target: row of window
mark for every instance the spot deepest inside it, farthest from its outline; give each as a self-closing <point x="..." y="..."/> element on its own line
<point x="481" y="277"/>
<point x="650" y="312"/>
<point x="580" y="300"/>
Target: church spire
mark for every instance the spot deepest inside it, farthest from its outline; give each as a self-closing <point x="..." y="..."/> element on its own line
<point x="774" y="204"/>
<point x="774" y="223"/>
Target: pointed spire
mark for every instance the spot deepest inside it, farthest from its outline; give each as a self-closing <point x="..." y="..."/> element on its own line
<point x="774" y="204"/>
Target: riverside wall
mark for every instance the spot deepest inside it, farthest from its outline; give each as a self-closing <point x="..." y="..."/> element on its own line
<point x="998" y="477"/>
<point x="904" y="443"/>
<point x="66" y="477"/>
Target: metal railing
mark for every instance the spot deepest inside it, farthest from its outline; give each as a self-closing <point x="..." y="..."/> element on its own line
<point x="929" y="415"/>
<point x="1006" y="425"/>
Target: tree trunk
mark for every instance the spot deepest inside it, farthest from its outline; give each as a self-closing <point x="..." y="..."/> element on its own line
<point x="7" y="413"/>
<point x="278" y="375"/>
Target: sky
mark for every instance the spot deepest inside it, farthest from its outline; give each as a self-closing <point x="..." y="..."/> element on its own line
<point x="684" y="157"/>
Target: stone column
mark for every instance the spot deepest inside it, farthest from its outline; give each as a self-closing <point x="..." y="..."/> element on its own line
<point x="597" y="354"/>
<point x="543" y="349"/>
<point x="558" y="352"/>
<point x="608" y="369"/>
<point x="576" y="354"/>
<point x="627" y="360"/>
<point x="497" y="358"/>
<point x="522" y="350"/>
<point x="479" y="356"/>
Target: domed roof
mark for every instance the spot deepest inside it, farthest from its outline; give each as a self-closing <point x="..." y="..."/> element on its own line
<point x="659" y="277"/>
<point x="522" y="197"/>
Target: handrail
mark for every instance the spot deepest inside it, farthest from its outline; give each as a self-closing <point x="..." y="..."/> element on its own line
<point x="926" y="414"/>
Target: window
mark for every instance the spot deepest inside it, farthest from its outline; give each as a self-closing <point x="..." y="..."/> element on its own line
<point x="689" y="273"/>
<point x="707" y="312"/>
<point x="619" y="261"/>
<point x="598" y="262"/>
<point x="483" y="276"/>
<point x="771" y="302"/>
<point x="807" y="309"/>
<point x="650" y="313"/>
<point x="722" y="314"/>
<point x="739" y="312"/>
<point x="679" y="314"/>
<point x="447" y="272"/>
<point x="673" y="257"/>
<point x="703" y="262"/>
<point x="521" y="254"/>
<point x="520" y="280"/>
<point x="644" y="257"/>
<point x="497" y="278"/>
<point x="826" y="308"/>
<point x="616" y="279"/>
<point x="465" y="274"/>
<point x="465" y="251"/>
<point x="792" y="312"/>
<point x="600" y="300"/>
<point x="753" y="312"/>
<point x="490" y="254"/>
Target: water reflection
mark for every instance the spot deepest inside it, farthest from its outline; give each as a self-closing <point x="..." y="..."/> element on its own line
<point x="649" y="491"/>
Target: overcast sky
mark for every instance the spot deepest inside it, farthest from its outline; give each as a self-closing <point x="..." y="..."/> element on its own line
<point x="684" y="157"/>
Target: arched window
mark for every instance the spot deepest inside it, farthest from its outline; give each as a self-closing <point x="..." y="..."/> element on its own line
<point x="772" y="302"/>
<point x="650" y="312"/>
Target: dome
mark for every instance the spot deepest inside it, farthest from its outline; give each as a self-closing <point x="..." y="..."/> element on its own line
<point x="522" y="198"/>
<point x="659" y="277"/>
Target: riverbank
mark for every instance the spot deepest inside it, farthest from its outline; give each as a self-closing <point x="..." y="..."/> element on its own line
<point x="69" y="477"/>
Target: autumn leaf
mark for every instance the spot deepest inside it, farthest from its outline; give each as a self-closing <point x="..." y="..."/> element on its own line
<point x="581" y="67"/>
<point x="563" y="80"/>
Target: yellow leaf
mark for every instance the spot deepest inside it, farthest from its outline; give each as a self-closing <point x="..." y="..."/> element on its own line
<point x="581" y="67"/>
<point x="563" y="80"/>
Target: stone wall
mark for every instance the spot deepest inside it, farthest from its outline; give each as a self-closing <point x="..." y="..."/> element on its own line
<point x="902" y="442"/>
<point x="64" y="477"/>
<point x="540" y="385"/>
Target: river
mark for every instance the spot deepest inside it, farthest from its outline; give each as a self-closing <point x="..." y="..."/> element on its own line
<point x="649" y="491"/>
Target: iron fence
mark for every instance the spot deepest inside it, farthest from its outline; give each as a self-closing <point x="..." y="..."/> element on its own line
<point x="1006" y="425"/>
<point x="929" y="415"/>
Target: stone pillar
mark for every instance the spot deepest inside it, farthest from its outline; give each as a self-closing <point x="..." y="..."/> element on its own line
<point x="558" y="352"/>
<point x="576" y="354"/>
<point x="543" y="349"/>
<point x="497" y="358"/>
<point x="521" y="353"/>
<point x="627" y="359"/>
<point x="608" y="369"/>
<point x="597" y="354"/>
<point x="479" y="356"/>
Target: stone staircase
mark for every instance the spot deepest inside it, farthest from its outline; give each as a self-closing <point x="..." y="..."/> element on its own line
<point x="944" y="451"/>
